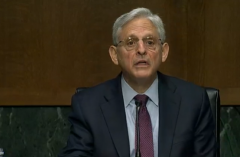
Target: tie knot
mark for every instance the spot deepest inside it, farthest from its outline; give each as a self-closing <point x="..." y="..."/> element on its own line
<point x="141" y="98"/>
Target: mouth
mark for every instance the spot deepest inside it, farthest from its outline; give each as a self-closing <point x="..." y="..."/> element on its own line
<point x="143" y="63"/>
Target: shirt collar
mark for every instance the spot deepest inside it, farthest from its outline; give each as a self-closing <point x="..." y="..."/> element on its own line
<point x="129" y="93"/>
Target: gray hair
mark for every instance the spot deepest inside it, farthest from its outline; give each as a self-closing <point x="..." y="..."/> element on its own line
<point x="136" y="13"/>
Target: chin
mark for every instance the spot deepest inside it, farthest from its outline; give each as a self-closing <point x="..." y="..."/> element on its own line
<point x="143" y="75"/>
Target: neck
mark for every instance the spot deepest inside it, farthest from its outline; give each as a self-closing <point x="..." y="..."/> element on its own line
<point x="140" y="85"/>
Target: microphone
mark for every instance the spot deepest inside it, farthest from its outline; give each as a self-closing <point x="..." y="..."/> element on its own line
<point x="138" y="105"/>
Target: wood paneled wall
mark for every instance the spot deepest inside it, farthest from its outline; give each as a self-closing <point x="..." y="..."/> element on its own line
<point x="48" y="48"/>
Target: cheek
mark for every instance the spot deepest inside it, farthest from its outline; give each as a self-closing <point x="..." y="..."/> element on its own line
<point x="155" y="56"/>
<point x="131" y="59"/>
<point x="126" y="59"/>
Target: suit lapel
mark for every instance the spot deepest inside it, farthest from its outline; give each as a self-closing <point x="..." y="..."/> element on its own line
<point x="169" y="103"/>
<point x="115" y="117"/>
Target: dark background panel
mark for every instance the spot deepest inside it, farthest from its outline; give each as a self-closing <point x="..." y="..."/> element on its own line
<point x="36" y="131"/>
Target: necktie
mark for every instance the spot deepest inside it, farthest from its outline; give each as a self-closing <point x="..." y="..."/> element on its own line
<point x="145" y="126"/>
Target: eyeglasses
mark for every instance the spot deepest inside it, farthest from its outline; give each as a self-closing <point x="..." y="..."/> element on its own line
<point x="131" y="43"/>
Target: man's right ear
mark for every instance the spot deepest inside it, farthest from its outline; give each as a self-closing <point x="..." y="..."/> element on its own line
<point x="113" y="54"/>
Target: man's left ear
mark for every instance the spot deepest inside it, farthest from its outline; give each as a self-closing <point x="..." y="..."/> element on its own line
<point x="165" y="50"/>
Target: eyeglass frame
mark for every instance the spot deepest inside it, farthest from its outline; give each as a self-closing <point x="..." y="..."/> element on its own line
<point x="137" y="41"/>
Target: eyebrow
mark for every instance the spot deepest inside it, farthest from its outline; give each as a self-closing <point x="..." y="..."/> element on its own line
<point x="134" y="36"/>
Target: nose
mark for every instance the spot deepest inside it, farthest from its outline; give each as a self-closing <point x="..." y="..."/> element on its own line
<point x="141" y="48"/>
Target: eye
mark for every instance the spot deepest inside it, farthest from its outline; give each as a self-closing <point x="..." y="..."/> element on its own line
<point x="130" y="42"/>
<point x="150" y="42"/>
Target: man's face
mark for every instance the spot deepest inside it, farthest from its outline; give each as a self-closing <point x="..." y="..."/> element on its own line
<point x="140" y="61"/>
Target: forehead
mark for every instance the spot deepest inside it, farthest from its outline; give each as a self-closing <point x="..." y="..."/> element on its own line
<point x="139" y="27"/>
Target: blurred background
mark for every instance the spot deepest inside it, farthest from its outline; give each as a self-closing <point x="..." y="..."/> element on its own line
<point x="48" y="48"/>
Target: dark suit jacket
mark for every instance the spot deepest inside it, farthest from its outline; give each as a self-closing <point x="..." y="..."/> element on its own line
<point x="99" y="127"/>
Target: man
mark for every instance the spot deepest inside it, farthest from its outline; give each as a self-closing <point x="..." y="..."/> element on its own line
<point x="173" y="116"/>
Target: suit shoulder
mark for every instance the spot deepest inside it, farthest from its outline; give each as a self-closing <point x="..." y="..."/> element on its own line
<point x="94" y="91"/>
<point x="192" y="95"/>
<point x="184" y="86"/>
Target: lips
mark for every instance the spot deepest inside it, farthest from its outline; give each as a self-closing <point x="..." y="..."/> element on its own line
<point x="142" y="62"/>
